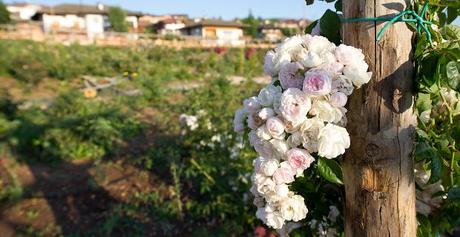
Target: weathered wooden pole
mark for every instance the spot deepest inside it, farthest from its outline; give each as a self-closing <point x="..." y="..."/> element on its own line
<point x="378" y="167"/>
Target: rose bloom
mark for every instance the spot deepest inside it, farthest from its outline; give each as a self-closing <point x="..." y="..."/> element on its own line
<point x="266" y="113"/>
<point x="311" y="59"/>
<point x="348" y="54"/>
<point x="333" y="69"/>
<point x="284" y="174"/>
<point x="269" y="166"/>
<point x="358" y="74"/>
<point x="293" y="208"/>
<point x="317" y="83"/>
<point x="251" y="104"/>
<point x="342" y="84"/>
<point x="254" y="121"/>
<point x="279" y="147"/>
<point x="290" y="75"/>
<point x="275" y="127"/>
<point x="267" y="94"/>
<point x="299" y="159"/>
<point x="309" y="131"/>
<point x="333" y="140"/>
<point x="338" y="99"/>
<point x="294" y="105"/>
<point x="274" y="61"/>
<point x="326" y="112"/>
<point x="319" y="45"/>
<point x="262" y="133"/>
<point x="238" y="120"/>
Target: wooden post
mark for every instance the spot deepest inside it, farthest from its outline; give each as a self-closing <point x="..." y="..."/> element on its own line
<point x="378" y="167"/>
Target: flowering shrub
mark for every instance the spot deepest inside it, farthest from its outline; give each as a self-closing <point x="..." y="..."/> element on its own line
<point x="297" y="119"/>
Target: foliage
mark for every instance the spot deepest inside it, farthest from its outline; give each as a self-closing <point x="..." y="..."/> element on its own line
<point x="252" y="25"/>
<point x="4" y="14"/>
<point x="117" y="19"/>
<point x="32" y="62"/>
<point x="437" y="152"/>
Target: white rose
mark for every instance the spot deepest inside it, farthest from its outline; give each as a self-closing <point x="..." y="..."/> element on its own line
<point x="284" y="174"/>
<point x="263" y="184"/>
<point x="295" y="139"/>
<point x="291" y="45"/>
<point x="267" y="94"/>
<point x="266" y="113"/>
<point x="325" y="111"/>
<point x="274" y="61"/>
<point x="269" y="166"/>
<point x="238" y="120"/>
<point x="261" y="214"/>
<point x="311" y="59"/>
<point x="251" y="104"/>
<point x="328" y="57"/>
<point x="333" y="69"/>
<point x="338" y="99"/>
<point x="333" y="140"/>
<point x="342" y="84"/>
<point x="281" y="192"/>
<point x="319" y="45"/>
<point x="293" y="208"/>
<point x="357" y="74"/>
<point x="348" y="54"/>
<point x="280" y="147"/>
<point x="275" y="127"/>
<point x="263" y="133"/>
<point x="274" y="220"/>
<point x="309" y="131"/>
<point x="317" y="83"/>
<point x="294" y="105"/>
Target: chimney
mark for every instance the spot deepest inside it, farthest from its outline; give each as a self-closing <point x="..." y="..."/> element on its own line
<point x="100" y="6"/>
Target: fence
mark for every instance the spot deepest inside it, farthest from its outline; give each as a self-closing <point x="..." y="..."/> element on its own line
<point x="34" y="31"/>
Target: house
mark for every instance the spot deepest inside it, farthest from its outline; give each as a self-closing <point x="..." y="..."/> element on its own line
<point x="222" y="33"/>
<point x="23" y="11"/>
<point x="78" y="18"/>
<point x="169" y="26"/>
<point x="271" y="33"/>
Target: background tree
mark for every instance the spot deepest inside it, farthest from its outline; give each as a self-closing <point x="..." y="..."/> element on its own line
<point x="117" y="19"/>
<point x="4" y="14"/>
<point x="252" y="25"/>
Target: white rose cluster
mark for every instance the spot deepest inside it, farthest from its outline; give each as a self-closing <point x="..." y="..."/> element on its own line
<point x="299" y="114"/>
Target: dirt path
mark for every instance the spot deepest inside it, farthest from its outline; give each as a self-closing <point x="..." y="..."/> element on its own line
<point x="68" y="198"/>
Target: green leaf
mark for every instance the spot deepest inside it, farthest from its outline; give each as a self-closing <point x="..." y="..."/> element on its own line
<point x="330" y="26"/>
<point x="454" y="194"/>
<point x="451" y="32"/>
<point x="436" y="169"/>
<point x="330" y="170"/>
<point x="453" y="75"/>
<point x="310" y="27"/>
<point x="338" y="5"/>
<point x="309" y="2"/>
<point x="451" y="14"/>
<point x="423" y="102"/>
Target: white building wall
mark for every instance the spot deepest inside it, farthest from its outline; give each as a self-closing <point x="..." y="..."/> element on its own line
<point x="24" y="12"/>
<point x="55" y="22"/>
<point x="94" y="25"/>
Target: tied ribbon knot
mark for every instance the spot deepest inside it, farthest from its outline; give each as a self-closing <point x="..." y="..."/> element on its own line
<point x="401" y="17"/>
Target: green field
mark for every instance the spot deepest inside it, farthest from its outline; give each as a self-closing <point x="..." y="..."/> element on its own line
<point x="120" y="163"/>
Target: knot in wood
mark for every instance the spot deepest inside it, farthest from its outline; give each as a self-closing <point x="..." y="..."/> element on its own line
<point x="372" y="151"/>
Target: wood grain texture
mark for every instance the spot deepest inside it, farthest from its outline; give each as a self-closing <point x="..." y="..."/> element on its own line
<point x="378" y="167"/>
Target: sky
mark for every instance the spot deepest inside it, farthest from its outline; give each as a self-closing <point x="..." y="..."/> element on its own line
<point x="227" y="9"/>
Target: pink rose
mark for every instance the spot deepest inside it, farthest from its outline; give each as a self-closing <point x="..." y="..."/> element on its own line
<point x="294" y="106"/>
<point x="275" y="127"/>
<point x="290" y="77"/>
<point x="317" y="83"/>
<point x="338" y="99"/>
<point x="284" y="174"/>
<point x="299" y="159"/>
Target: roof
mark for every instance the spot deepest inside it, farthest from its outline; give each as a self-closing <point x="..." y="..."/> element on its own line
<point x="64" y="9"/>
<point x="215" y="23"/>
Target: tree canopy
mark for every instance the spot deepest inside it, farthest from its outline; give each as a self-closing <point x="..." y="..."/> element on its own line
<point x="117" y="19"/>
<point x="4" y="14"/>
